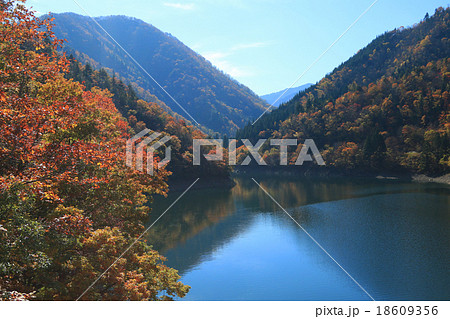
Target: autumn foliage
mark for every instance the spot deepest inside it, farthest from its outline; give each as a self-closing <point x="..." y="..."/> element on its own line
<point x="385" y="109"/>
<point x="153" y="114"/>
<point x="68" y="205"/>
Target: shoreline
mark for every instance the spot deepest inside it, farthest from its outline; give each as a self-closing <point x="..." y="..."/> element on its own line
<point x="334" y="173"/>
<point x="421" y="178"/>
<point x="181" y="184"/>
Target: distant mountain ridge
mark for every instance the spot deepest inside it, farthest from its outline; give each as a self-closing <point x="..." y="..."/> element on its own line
<point x="289" y="95"/>
<point x="211" y="97"/>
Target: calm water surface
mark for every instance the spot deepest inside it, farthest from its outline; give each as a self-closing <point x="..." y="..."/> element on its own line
<point x="236" y="244"/>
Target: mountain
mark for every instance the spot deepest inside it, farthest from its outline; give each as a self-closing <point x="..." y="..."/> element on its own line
<point x="290" y="93"/>
<point x="142" y="114"/>
<point x="386" y="108"/>
<point x="211" y="97"/>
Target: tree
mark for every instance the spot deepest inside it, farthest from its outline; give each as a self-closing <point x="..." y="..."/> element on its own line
<point x="68" y="204"/>
<point x="394" y="91"/>
<point x="374" y="149"/>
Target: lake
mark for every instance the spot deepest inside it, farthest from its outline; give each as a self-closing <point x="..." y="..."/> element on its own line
<point x="392" y="237"/>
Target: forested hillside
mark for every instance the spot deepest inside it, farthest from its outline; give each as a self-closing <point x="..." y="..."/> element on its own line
<point x="142" y="114"/>
<point x="212" y="98"/>
<point x="386" y="108"/>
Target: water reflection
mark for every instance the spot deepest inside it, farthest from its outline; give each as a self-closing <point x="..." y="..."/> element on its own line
<point x="392" y="236"/>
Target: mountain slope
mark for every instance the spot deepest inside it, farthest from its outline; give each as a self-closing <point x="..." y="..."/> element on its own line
<point x="211" y="97"/>
<point x="386" y="108"/>
<point x="142" y="114"/>
<point x="275" y="97"/>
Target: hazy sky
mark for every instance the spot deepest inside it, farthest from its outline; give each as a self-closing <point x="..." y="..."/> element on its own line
<point x="264" y="44"/>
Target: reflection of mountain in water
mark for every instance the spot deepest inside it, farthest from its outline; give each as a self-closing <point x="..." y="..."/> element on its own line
<point x="205" y="220"/>
<point x="199" y="247"/>
<point x="190" y="215"/>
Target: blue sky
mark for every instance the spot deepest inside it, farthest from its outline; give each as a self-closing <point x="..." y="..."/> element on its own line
<point x="264" y="44"/>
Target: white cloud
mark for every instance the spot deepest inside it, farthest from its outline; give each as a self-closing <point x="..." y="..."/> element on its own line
<point x="252" y="45"/>
<point x="182" y="6"/>
<point x="196" y="46"/>
<point x="214" y="56"/>
<point x="219" y="59"/>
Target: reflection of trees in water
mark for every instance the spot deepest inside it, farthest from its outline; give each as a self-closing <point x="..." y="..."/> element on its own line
<point x="200" y="209"/>
<point x="205" y="220"/>
<point x="293" y="192"/>
<point x="194" y="212"/>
